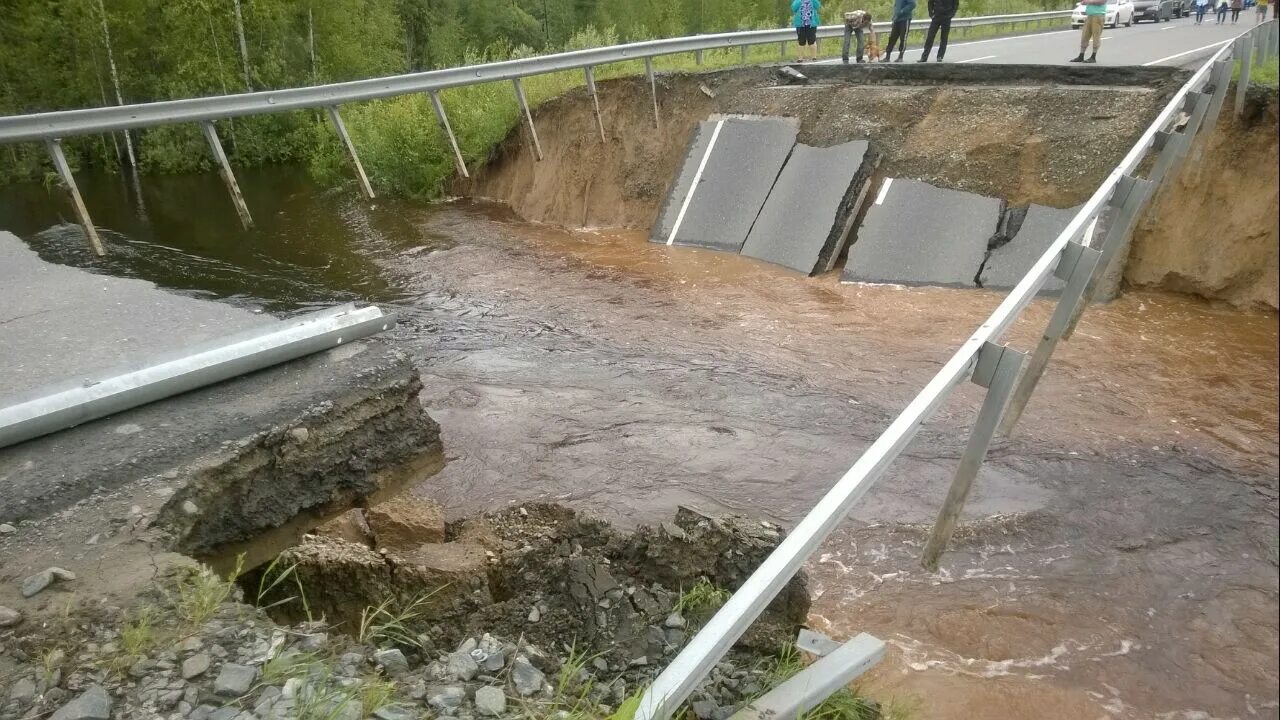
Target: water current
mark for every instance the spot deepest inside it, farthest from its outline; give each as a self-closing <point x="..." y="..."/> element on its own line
<point x="1119" y="554"/>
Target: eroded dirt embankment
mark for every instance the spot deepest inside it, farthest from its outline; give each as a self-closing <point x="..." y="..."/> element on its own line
<point x="1023" y="135"/>
<point x="1212" y="230"/>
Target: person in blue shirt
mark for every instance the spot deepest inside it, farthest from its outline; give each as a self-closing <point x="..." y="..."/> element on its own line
<point x="804" y="14"/>
<point x="902" y="12"/>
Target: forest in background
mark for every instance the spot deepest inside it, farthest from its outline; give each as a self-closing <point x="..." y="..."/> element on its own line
<point x="63" y="54"/>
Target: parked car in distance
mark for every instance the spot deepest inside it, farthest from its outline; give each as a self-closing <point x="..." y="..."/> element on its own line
<point x="1153" y="10"/>
<point x="1119" y="12"/>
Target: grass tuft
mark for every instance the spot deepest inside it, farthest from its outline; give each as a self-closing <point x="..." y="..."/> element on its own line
<point x="701" y="600"/>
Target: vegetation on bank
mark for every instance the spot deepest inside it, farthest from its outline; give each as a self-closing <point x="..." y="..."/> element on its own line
<point x="61" y="54"/>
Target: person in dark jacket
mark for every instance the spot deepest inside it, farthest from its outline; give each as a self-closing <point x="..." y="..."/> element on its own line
<point x="940" y="14"/>
<point x="902" y="12"/>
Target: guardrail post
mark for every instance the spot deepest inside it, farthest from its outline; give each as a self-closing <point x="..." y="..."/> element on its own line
<point x="1275" y="37"/>
<point x="743" y="49"/>
<point x="1130" y="196"/>
<point x="782" y="50"/>
<point x="1076" y="267"/>
<point x="595" y="100"/>
<point x="1221" y="74"/>
<point x="697" y="57"/>
<point x="448" y="131"/>
<point x="228" y="177"/>
<point x="1176" y="144"/>
<point x="82" y="213"/>
<point x="1246" y="64"/>
<point x="528" y="116"/>
<point x="1261" y="44"/>
<point x="351" y="150"/>
<point x="997" y="370"/>
<point x="653" y="91"/>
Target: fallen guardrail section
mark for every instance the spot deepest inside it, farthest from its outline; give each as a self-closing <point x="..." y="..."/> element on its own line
<point x="1080" y="257"/>
<point x="51" y="127"/>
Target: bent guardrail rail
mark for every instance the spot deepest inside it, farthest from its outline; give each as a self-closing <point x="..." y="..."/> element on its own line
<point x="51" y="127"/>
<point x="1077" y="256"/>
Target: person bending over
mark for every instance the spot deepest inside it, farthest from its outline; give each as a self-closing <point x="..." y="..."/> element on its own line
<point x="857" y="23"/>
<point x="1095" y="13"/>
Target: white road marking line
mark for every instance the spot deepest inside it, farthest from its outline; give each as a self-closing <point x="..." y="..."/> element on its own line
<point x="884" y="190"/>
<point x="697" y="177"/>
<point x="984" y="57"/>
<point x="1171" y="27"/>
<point x="1188" y="52"/>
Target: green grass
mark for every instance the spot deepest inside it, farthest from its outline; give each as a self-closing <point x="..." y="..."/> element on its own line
<point x="1266" y="74"/>
<point x="701" y="600"/>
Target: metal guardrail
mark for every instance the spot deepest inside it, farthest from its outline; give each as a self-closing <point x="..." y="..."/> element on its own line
<point x="52" y="127"/>
<point x="1078" y="257"/>
<point x="65" y="123"/>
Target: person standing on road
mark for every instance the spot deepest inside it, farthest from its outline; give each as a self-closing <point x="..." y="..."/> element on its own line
<point x="1202" y="7"/>
<point x="902" y="12"/>
<point x="1262" y="11"/>
<point x="856" y="23"/>
<point x="805" y="15"/>
<point x="940" y="14"/>
<point x="1095" y="13"/>
<point x="1222" y="11"/>
<point x="1236" y="7"/>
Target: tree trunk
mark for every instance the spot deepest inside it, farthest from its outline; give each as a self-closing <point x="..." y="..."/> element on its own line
<point x="244" y="48"/>
<point x="115" y="80"/>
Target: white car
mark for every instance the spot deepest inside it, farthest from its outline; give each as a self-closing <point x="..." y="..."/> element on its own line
<point x="1119" y="12"/>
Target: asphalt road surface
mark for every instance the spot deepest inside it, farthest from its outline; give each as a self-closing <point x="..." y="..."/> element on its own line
<point x="1178" y="42"/>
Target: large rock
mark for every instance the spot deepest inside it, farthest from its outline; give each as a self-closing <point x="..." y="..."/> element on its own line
<point x="92" y="704"/>
<point x="349" y="526"/>
<point x="405" y="522"/>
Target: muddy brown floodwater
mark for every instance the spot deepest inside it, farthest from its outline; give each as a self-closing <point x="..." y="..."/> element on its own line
<point x="1119" y="553"/>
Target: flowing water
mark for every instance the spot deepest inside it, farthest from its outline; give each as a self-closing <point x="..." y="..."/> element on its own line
<point x="1120" y="552"/>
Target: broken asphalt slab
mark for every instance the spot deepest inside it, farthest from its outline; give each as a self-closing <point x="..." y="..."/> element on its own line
<point x="1007" y="264"/>
<point x="740" y="159"/>
<point x="276" y="449"/>
<point x="918" y="234"/>
<point x="805" y="219"/>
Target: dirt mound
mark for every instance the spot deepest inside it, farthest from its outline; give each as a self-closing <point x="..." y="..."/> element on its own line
<point x="1031" y="142"/>
<point x="1212" y="230"/>
<point x="552" y="576"/>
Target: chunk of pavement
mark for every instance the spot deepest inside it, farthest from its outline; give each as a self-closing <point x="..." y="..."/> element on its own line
<point x="194" y="666"/>
<point x="491" y="701"/>
<point x="828" y="183"/>
<point x="9" y="617"/>
<point x="918" y="234"/>
<point x="791" y="76"/>
<point x="392" y="661"/>
<point x="462" y="666"/>
<point x="349" y="526"/>
<point x="92" y="704"/>
<point x="1007" y="264"/>
<point x="741" y="165"/>
<point x="526" y="678"/>
<point x="43" y="579"/>
<point x="234" y="680"/>
<point x="405" y="522"/>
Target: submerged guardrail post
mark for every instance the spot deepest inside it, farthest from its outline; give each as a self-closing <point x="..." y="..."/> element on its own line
<point x="528" y="116"/>
<point x="653" y="90"/>
<point x="595" y="99"/>
<point x="228" y="177"/>
<point x="996" y="370"/>
<point x="448" y="131"/>
<point x="82" y="213"/>
<point x="351" y="150"/>
<point x="1076" y="267"/>
<point x="1245" y="48"/>
<point x="1130" y="196"/>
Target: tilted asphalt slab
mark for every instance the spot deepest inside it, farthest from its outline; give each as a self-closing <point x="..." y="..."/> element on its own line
<point x="1007" y="264"/>
<point x="803" y="220"/>
<point x="742" y="161"/>
<point x="917" y="234"/>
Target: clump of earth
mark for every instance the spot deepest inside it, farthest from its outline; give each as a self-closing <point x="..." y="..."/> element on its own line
<point x="390" y="613"/>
